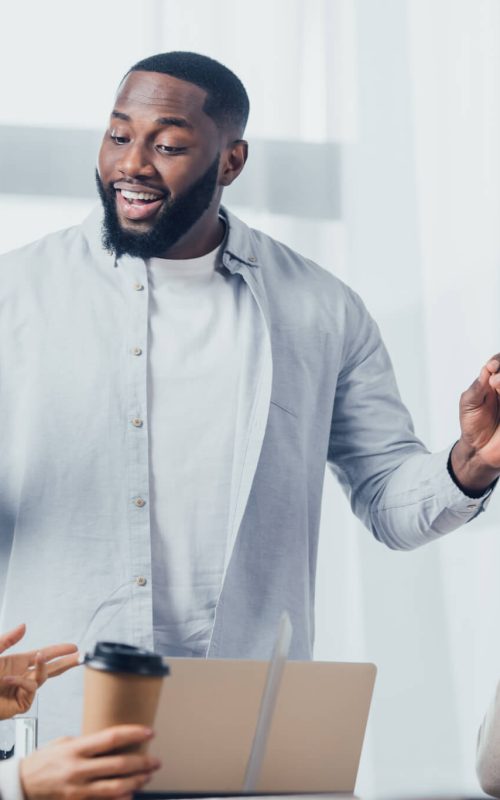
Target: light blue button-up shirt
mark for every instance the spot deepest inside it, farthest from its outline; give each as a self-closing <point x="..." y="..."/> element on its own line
<point x="75" y="549"/>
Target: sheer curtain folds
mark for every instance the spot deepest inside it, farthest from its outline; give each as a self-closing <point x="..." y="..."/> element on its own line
<point x="375" y="150"/>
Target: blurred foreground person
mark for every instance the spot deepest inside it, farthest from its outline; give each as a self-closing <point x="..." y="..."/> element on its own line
<point x="488" y="749"/>
<point x="80" y="768"/>
<point x="175" y="383"/>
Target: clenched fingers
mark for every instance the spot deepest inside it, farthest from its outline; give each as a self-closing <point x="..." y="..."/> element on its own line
<point x="111" y="739"/>
<point x="123" y="765"/>
<point x="117" y="787"/>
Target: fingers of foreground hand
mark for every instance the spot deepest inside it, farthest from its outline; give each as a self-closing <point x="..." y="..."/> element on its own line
<point x="119" y="765"/>
<point x="61" y="665"/>
<point x="20" y="683"/>
<point x="110" y="739"/>
<point x="11" y="637"/>
<point x="116" y="787"/>
<point x="55" y="651"/>
<point x="48" y="653"/>
<point x="40" y="673"/>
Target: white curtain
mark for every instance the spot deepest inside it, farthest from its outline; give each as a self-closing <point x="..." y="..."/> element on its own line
<point x="404" y="96"/>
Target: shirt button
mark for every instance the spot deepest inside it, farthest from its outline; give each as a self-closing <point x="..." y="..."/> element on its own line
<point x="136" y="422"/>
<point x="138" y="286"/>
<point x="141" y="580"/>
<point x="472" y="505"/>
<point x="252" y="259"/>
<point x="139" y="502"/>
<point x="136" y="351"/>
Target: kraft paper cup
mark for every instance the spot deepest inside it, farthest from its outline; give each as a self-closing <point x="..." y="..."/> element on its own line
<point x="122" y="685"/>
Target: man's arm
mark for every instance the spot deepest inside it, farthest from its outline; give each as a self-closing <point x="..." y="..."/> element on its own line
<point x="405" y="495"/>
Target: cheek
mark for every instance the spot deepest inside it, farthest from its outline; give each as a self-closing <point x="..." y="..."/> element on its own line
<point x="105" y="162"/>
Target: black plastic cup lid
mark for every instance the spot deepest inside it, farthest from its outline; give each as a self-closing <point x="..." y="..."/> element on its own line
<point x="115" y="657"/>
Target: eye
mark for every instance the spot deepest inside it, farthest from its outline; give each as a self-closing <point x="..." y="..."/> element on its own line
<point x="165" y="148"/>
<point x="118" y="139"/>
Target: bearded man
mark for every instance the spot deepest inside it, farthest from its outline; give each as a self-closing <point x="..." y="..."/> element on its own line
<point x="172" y="386"/>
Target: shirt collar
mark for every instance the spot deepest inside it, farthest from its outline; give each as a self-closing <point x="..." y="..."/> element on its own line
<point x="240" y="247"/>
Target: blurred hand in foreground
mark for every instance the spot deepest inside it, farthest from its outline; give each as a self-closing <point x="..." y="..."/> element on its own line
<point x="88" y="767"/>
<point x="22" y="674"/>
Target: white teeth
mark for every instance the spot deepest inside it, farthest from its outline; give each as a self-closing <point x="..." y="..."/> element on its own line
<point x="138" y="195"/>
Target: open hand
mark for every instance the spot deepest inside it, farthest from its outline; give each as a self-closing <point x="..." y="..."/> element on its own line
<point x="23" y="673"/>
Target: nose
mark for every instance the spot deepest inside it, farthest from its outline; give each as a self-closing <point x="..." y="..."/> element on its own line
<point x="134" y="161"/>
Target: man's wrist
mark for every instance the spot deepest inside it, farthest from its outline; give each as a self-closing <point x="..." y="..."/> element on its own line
<point x="469" y="472"/>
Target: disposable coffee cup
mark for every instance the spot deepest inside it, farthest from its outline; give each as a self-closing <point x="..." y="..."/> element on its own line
<point x="122" y="685"/>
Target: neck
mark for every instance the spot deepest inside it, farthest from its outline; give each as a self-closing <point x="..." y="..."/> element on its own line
<point x="205" y="235"/>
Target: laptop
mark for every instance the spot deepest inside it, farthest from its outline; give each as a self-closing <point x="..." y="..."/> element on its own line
<point x="210" y="711"/>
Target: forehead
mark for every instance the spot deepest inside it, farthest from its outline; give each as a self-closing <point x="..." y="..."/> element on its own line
<point x="150" y="94"/>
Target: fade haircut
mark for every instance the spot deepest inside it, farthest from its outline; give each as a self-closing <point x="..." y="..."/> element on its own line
<point x="227" y="101"/>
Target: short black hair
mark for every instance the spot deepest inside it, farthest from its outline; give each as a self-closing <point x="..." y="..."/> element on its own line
<point x="227" y="102"/>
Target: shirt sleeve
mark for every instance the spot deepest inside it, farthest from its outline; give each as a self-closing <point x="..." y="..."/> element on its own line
<point x="488" y="749"/>
<point x="10" y="780"/>
<point x="399" y="490"/>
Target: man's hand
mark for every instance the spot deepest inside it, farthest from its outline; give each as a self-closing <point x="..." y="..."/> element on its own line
<point x="23" y="673"/>
<point x="85" y="768"/>
<point x="475" y="459"/>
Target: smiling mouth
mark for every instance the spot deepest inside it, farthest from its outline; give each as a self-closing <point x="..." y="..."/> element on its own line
<point x="137" y="205"/>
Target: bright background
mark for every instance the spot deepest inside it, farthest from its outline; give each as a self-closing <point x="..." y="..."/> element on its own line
<point x="375" y="130"/>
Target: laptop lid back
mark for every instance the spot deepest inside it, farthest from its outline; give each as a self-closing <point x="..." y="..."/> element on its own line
<point x="208" y="714"/>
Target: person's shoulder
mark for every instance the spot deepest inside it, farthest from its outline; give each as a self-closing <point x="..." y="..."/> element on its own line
<point x="288" y="271"/>
<point x="51" y="244"/>
<point x="280" y="261"/>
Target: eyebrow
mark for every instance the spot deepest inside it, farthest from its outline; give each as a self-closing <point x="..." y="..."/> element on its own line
<point x="178" y="122"/>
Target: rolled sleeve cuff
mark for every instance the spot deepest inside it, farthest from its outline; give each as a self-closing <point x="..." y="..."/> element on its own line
<point x="422" y="503"/>
<point x="473" y="504"/>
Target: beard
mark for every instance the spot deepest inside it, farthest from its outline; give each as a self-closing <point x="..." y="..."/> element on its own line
<point x="174" y="220"/>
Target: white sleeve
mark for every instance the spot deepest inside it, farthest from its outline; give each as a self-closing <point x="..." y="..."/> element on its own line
<point x="488" y="749"/>
<point x="10" y="781"/>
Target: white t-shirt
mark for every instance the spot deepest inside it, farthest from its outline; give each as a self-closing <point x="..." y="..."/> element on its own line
<point x="204" y="328"/>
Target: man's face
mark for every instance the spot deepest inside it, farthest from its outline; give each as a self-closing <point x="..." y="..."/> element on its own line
<point x="158" y="164"/>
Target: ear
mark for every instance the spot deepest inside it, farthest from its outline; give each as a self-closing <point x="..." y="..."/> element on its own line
<point x="232" y="161"/>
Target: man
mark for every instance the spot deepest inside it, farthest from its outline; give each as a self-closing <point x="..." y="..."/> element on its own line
<point x="70" y="768"/>
<point x="172" y="386"/>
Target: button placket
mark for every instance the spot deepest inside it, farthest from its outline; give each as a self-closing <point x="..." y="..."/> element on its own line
<point x="137" y="449"/>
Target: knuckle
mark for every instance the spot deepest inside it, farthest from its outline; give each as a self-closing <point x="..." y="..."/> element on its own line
<point x="122" y="764"/>
<point x="113" y="739"/>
